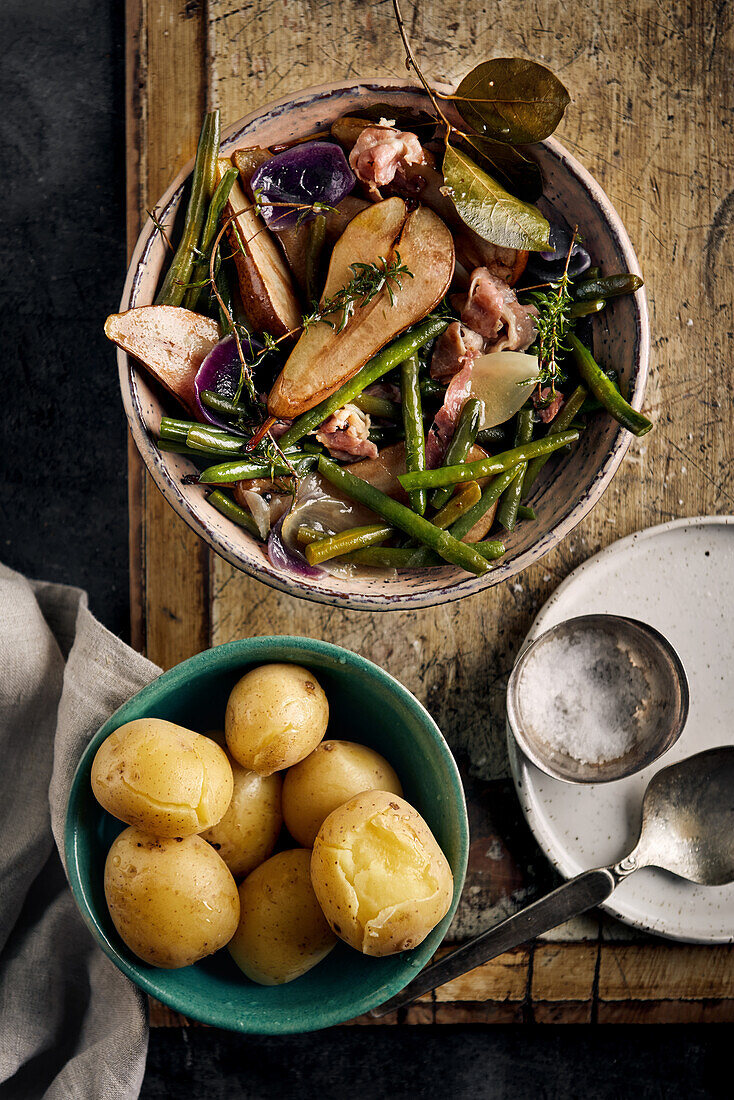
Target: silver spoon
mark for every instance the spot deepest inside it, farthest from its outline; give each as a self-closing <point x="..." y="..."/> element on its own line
<point x="687" y="828"/>
<point x="627" y="681"/>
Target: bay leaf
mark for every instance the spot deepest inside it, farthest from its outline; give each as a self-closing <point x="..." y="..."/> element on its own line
<point x="506" y="164"/>
<point x="512" y="100"/>
<point x="487" y="208"/>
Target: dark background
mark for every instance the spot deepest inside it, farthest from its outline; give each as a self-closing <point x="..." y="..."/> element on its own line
<point x="63" y="517"/>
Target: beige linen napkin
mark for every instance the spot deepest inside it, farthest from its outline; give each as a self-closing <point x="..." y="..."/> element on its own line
<point x="71" y="1025"/>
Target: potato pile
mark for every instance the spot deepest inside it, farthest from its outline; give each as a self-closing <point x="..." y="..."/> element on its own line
<point x="205" y="810"/>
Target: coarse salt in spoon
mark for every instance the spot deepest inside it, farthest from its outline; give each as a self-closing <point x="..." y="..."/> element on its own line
<point x="597" y="698"/>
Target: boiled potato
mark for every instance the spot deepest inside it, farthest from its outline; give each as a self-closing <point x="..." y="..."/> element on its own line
<point x="276" y="715"/>
<point x="334" y="772"/>
<point x="379" y="874"/>
<point x="247" y="833"/>
<point x="282" y="932"/>
<point x="162" y="777"/>
<point x="172" y="901"/>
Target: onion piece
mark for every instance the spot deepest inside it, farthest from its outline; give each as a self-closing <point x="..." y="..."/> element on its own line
<point x="220" y="373"/>
<point x="285" y="559"/>
<point x="259" y="509"/>
<point x="503" y="381"/>
<point x="551" y="264"/>
<point x="316" y="171"/>
<point x="317" y="508"/>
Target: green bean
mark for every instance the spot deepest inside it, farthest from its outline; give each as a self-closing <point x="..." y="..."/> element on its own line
<point x="173" y="446"/>
<point x="586" y="308"/>
<point x="378" y="406"/>
<point x="591" y="404"/>
<point x="233" y="511"/>
<point x="405" y="557"/>
<point x="306" y="534"/>
<point x="432" y="389"/>
<point x="486" y="467"/>
<point x="385" y="360"/>
<point x="315" y="238"/>
<point x="461" y="528"/>
<point x="508" y="506"/>
<point x="171" y="428"/>
<point x="461" y="502"/>
<point x="460" y="445"/>
<point x="224" y="473"/>
<point x="560" y="423"/>
<point x="415" y="526"/>
<point x="217" y="403"/>
<point x="392" y="557"/>
<point x="202" y="188"/>
<point x="200" y="273"/>
<point x="383" y="436"/>
<point x="415" y="438"/>
<point x="607" y="286"/>
<point x="524" y="512"/>
<point x="201" y="438"/>
<point x="346" y="541"/>
<point x="490" y="437"/>
<point x="605" y="391"/>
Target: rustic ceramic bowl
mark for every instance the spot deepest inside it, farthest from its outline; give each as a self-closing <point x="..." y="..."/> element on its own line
<point x="569" y="486"/>
<point x="375" y="710"/>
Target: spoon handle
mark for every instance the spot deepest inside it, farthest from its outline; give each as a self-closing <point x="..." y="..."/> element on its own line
<point x="570" y="900"/>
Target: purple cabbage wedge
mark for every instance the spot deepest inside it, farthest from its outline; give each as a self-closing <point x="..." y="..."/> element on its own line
<point x="316" y="172"/>
<point x="220" y="373"/>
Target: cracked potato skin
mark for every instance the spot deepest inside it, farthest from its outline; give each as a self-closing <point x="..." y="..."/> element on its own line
<point x="379" y="874"/>
<point x="276" y="715"/>
<point x="164" y="778"/>
<point x="173" y="901"/>
<point x="282" y="931"/>
<point x="333" y="773"/>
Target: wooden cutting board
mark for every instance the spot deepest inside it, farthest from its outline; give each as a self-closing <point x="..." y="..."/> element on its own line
<point x="649" y="119"/>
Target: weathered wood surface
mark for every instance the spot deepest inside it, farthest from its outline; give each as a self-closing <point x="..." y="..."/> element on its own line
<point x="651" y="118"/>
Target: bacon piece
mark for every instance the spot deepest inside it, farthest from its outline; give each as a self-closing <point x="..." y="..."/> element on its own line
<point x="546" y="410"/>
<point x="492" y="309"/>
<point x="388" y="390"/>
<point x="279" y="428"/>
<point x="346" y="434"/>
<point x="380" y="152"/>
<point x="444" y="424"/>
<point x="472" y="251"/>
<point x="456" y="346"/>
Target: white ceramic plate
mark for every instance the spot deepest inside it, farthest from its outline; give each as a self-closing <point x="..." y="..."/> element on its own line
<point x="678" y="577"/>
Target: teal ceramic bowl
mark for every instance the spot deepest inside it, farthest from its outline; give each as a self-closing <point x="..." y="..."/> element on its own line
<point x="366" y="705"/>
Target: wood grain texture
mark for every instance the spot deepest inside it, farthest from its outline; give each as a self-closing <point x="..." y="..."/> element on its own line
<point x="166" y="98"/>
<point x="651" y="118"/>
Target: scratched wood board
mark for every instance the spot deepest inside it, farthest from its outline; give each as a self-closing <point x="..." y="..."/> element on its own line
<point x="651" y="118"/>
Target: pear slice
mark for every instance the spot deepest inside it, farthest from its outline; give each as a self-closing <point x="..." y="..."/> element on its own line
<point x="266" y="287"/>
<point x="323" y="359"/>
<point x="169" y="341"/>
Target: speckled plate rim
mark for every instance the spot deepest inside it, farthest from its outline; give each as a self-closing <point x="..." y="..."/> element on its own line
<point x="554" y="853"/>
<point x="249" y="651"/>
<point x="216" y="531"/>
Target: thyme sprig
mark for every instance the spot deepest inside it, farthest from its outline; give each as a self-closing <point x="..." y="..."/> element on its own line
<point x="367" y="281"/>
<point x="554" y="323"/>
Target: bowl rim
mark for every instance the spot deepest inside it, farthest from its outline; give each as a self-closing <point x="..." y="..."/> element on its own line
<point x="249" y="650"/>
<point x="228" y="546"/>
